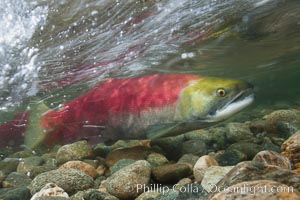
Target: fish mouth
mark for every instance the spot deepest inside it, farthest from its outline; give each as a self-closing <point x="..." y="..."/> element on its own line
<point x="236" y="104"/>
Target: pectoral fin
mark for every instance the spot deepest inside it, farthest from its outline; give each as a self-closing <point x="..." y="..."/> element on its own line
<point x="162" y="130"/>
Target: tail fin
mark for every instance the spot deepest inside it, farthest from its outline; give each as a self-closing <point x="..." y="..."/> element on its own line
<point x="35" y="133"/>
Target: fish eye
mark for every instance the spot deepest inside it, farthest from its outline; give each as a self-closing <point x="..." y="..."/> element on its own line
<point x="221" y="92"/>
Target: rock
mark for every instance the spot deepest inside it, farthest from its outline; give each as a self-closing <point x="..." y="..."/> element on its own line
<point x="272" y="158"/>
<point x="189" y="159"/>
<point x="231" y="157"/>
<point x="291" y="149"/>
<point x="156" y="159"/>
<point x="52" y="198"/>
<point x="97" y="195"/>
<point x="200" y="134"/>
<point x="171" y="146"/>
<point x="75" y="151"/>
<point x="268" y="145"/>
<point x="9" y="165"/>
<point x="81" y="166"/>
<point x="2" y="177"/>
<point x="121" y="164"/>
<point x="150" y="195"/>
<point x="93" y="163"/>
<point x="250" y="171"/>
<point x="23" y="154"/>
<point x="15" y="180"/>
<point x="78" y="196"/>
<point x="237" y="132"/>
<point x="50" y="189"/>
<point x="268" y="191"/>
<point x="131" y="143"/>
<point x="32" y="161"/>
<point x="195" y="147"/>
<point x="71" y="180"/>
<point x="182" y="183"/>
<point x="279" y="116"/>
<point x="202" y="164"/>
<point x="125" y="182"/>
<point x="286" y="129"/>
<point x="171" y="173"/>
<point x="218" y="139"/>
<point x="134" y="153"/>
<point x="101" y="170"/>
<point x="21" y="193"/>
<point x="249" y="149"/>
<point x="190" y="191"/>
<point x="33" y="171"/>
<point x="257" y="126"/>
<point x="102" y="150"/>
<point x="168" y="195"/>
<point x="213" y="175"/>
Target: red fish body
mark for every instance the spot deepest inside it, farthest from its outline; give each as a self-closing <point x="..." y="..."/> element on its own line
<point x="106" y="111"/>
<point x="149" y="106"/>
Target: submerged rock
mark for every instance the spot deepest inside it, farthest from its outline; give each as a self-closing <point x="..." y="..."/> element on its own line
<point x="213" y="175"/>
<point x="21" y="193"/>
<point x="71" y="180"/>
<point x="97" y="195"/>
<point x="50" y="190"/>
<point x="291" y="149"/>
<point x="171" y="173"/>
<point x="231" y="157"/>
<point x="265" y="190"/>
<point x="202" y="164"/>
<point x="156" y="159"/>
<point x="189" y="159"/>
<point x="121" y="164"/>
<point x="9" y="165"/>
<point x="15" y="180"/>
<point x="272" y="158"/>
<point x="250" y="171"/>
<point x="75" y="151"/>
<point x="125" y="183"/>
<point x="81" y="166"/>
<point x="195" y="147"/>
<point x="134" y="153"/>
<point x="237" y="132"/>
<point x="277" y="116"/>
<point x="150" y="195"/>
<point x="249" y="149"/>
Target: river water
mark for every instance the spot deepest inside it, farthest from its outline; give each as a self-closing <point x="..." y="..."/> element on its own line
<point x="55" y="50"/>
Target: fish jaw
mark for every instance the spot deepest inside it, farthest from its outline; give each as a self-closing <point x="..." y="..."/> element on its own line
<point x="200" y="101"/>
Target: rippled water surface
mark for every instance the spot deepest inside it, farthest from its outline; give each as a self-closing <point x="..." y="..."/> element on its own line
<point x="55" y="50"/>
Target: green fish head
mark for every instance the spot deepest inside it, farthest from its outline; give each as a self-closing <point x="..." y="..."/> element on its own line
<point x="211" y="99"/>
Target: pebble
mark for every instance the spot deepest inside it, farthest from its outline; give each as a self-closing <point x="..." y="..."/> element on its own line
<point x="213" y="175"/>
<point x="267" y="185"/>
<point x="21" y="193"/>
<point x="277" y="116"/>
<point x="81" y="166"/>
<point x="93" y="194"/>
<point x="101" y="170"/>
<point x="291" y="149"/>
<point x="267" y="144"/>
<point x="75" y="151"/>
<point x="15" y="180"/>
<point x="150" y="195"/>
<point x="121" y="164"/>
<point x="247" y="148"/>
<point x="171" y="173"/>
<point x="273" y="158"/>
<point x="71" y="180"/>
<point x="32" y="171"/>
<point x="231" y="157"/>
<point x="130" y="143"/>
<point x="189" y="159"/>
<point x="250" y="171"/>
<point x="195" y="147"/>
<point x="134" y="153"/>
<point x="257" y="126"/>
<point x="9" y="165"/>
<point x="50" y="189"/>
<point x="237" y="132"/>
<point x="125" y="182"/>
<point x="183" y="182"/>
<point x="217" y="138"/>
<point x="202" y="164"/>
<point x="156" y="159"/>
<point x="171" y="146"/>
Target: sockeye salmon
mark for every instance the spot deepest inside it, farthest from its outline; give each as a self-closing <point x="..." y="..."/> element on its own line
<point x="150" y="106"/>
